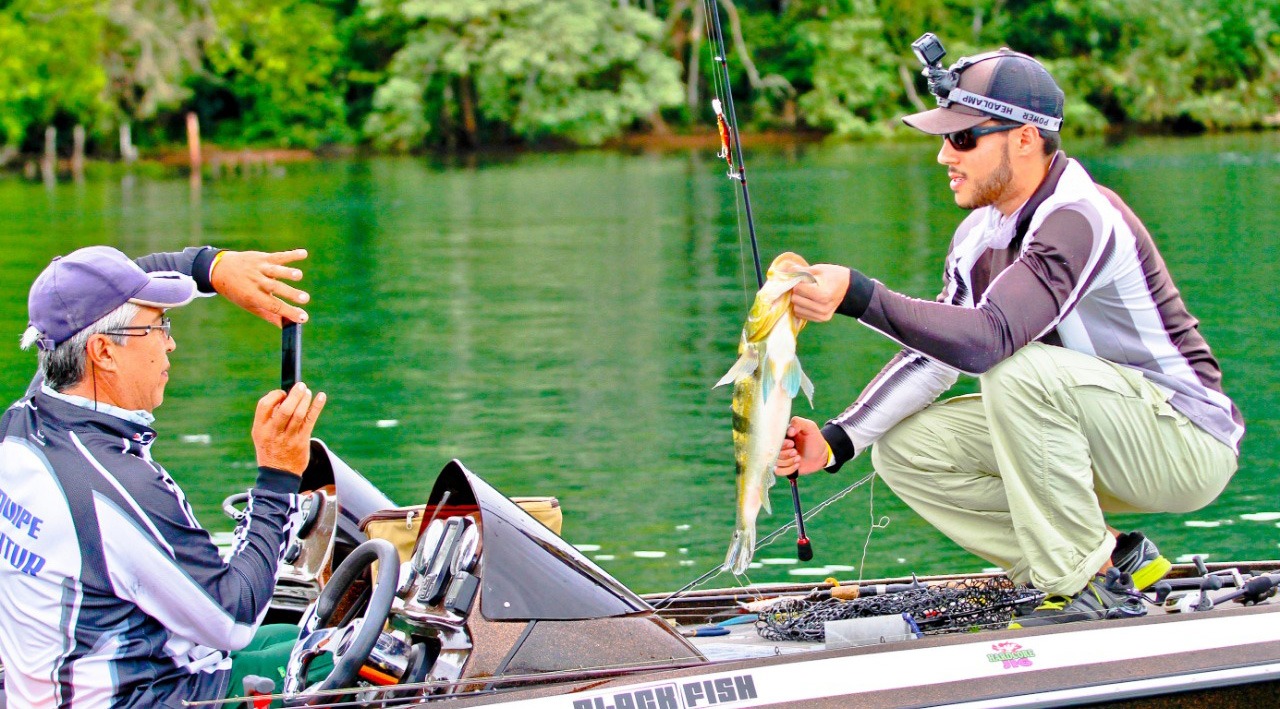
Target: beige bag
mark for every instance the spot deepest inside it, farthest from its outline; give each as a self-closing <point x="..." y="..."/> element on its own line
<point x="401" y="525"/>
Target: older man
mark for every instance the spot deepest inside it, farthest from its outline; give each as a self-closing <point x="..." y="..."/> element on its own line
<point x="1098" y="391"/>
<point x="111" y="594"/>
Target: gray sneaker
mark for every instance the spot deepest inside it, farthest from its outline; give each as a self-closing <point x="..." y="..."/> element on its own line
<point x="1103" y="597"/>
<point x="1138" y="556"/>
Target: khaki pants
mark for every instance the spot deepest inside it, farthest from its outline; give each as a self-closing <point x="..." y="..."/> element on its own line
<point x="1021" y="474"/>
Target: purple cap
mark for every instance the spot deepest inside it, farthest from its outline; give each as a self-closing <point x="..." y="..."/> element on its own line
<point x="76" y="290"/>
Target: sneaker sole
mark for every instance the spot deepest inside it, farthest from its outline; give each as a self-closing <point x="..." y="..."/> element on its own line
<point x="1151" y="572"/>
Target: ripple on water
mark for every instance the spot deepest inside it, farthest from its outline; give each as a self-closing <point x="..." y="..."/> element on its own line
<point x="810" y="571"/>
<point x="1261" y="516"/>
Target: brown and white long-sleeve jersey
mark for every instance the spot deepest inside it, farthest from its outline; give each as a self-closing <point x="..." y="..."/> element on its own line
<point x="1074" y="267"/>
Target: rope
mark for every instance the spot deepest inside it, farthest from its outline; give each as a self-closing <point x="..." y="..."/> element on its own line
<point x="957" y="606"/>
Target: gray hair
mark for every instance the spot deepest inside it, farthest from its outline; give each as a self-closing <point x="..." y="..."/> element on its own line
<point x="64" y="366"/>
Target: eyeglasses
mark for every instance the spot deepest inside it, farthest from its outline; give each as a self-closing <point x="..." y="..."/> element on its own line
<point x="162" y="326"/>
<point x="966" y="140"/>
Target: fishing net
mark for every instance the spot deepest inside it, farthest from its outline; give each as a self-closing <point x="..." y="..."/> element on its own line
<point x="956" y="606"/>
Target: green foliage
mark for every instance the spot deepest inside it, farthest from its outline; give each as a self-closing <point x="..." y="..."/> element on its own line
<point x="1196" y="63"/>
<point x="273" y="75"/>
<point x="856" y="88"/>
<point x="49" y="67"/>
<point x="581" y="70"/>
<point x="148" y="48"/>
<point x="403" y="74"/>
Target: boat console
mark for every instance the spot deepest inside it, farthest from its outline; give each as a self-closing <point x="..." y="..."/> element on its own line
<point x="483" y="596"/>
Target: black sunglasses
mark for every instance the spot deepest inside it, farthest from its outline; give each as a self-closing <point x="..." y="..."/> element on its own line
<point x="966" y="140"/>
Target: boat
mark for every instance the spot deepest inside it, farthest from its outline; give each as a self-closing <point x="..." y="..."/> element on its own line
<point x="468" y="600"/>
<point x="478" y="603"/>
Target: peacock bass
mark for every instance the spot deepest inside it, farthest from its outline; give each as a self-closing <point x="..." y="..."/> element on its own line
<point x="765" y="379"/>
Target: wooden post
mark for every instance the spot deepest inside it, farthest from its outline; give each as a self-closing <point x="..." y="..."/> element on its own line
<point x="77" y="151"/>
<point x="193" y="140"/>
<point x="128" y="153"/>
<point x="49" y="163"/>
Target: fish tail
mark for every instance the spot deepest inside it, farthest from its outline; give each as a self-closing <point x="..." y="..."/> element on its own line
<point x="741" y="548"/>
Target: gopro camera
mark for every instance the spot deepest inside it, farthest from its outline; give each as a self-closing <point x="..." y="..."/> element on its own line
<point x="928" y="49"/>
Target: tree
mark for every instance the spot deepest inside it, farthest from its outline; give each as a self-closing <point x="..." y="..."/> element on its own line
<point x="856" y="86"/>
<point x="272" y="75"/>
<point x="149" y="49"/>
<point x="580" y="70"/>
<point x="49" y="68"/>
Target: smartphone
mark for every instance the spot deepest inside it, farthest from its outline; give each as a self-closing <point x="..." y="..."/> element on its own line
<point x="290" y="354"/>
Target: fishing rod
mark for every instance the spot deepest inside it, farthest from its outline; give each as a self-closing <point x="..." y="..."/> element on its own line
<point x="731" y="151"/>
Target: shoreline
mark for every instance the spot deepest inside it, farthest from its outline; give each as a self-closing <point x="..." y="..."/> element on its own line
<point x="217" y="162"/>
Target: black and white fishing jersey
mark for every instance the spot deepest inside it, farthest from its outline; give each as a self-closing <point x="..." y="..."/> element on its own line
<point x="1074" y="267"/>
<point x="111" y="593"/>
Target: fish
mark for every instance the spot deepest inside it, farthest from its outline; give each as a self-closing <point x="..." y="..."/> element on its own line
<point x="766" y="377"/>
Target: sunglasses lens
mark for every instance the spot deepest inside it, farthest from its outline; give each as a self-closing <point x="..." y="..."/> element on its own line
<point x="962" y="140"/>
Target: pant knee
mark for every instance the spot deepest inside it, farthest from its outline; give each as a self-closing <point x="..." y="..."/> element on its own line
<point x="890" y="454"/>
<point x="1027" y="375"/>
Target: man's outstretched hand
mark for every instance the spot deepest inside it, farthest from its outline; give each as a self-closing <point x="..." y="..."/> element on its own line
<point x="254" y="280"/>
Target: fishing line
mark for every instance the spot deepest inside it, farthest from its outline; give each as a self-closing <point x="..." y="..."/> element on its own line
<point x="764" y="542"/>
<point x="873" y="525"/>
<point x="731" y="151"/>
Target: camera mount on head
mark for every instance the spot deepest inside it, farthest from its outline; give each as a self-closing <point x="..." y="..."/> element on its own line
<point x="929" y="50"/>
<point x="944" y="84"/>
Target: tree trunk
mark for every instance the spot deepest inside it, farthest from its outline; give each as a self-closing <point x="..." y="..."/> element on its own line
<point x="695" y="55"/>
<point x="77" y="151"/>
<point x="467" y="107"/>
<point x="49" y="162"/>
<point x="128" y="153"/>
<point x="909" y="86"/>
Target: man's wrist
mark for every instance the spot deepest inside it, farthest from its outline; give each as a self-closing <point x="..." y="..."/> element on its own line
<point x="202" y="268"/>
<point x="858" y="297"/>
<point x="840" y="447"/>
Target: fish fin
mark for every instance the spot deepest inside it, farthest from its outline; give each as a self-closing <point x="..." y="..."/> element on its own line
<point x="791" y="377"/>
<point x="745" y="365"/>
<point x="766" y="379"/>
<point x="805" y="385"/>
<point x="764" y="494"/>
<point x="741" y="548"/>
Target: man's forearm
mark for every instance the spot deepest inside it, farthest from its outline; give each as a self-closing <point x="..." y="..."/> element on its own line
<point x="194" y="261"/>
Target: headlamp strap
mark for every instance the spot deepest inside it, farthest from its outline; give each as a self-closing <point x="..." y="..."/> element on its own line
<point x="1001" y="109"/>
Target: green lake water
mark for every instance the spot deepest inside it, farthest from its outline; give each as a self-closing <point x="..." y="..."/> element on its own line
<point x="556" y="322"/>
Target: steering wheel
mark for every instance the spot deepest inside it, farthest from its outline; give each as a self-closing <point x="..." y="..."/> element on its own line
<point x="229" y="506"/>
<point x="351" y="638"/>
<point x="310" y="510"/>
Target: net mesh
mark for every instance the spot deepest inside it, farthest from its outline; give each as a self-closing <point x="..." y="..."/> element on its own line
<point x="956" y="606"/>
